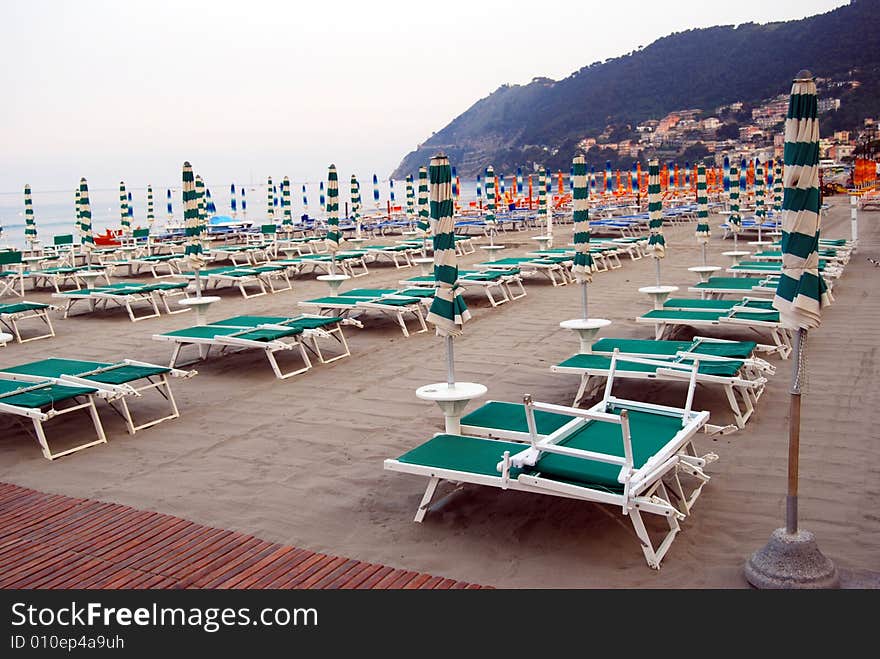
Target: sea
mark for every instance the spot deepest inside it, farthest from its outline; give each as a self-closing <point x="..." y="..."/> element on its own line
<point x="54" y="210"/>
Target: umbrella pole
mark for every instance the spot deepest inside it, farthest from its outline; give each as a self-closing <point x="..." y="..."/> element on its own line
<point x="450" y="362"/>
<point x="794" y="433"/>
<point x="658" y="270"/>
<point x="584" y="299"/>
<point x="198" y="283"/>
<point x="704" y="253"/>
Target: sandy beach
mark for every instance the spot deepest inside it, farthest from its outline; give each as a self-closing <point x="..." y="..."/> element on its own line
<point x="300" y="461"/>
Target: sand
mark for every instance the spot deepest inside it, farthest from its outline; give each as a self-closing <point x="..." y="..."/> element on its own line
<point x="300" y="461"/>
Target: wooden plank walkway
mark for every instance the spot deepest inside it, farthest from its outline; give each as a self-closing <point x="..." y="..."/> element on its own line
<point x="54" y="541"/>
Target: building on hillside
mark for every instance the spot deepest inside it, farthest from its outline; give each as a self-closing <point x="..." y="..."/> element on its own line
<point x="828" y="104"/>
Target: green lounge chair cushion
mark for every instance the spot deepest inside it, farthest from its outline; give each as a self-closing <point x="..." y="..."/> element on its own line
<point x="649" y="433"/>
<point x="212" y="331"/>
<point x="732" y="283"/>
<point x="468" y="454"/>
<point x="367" y="292"/>
<point x="725" y="369"/>
<point x="40" y="397"/>
<point x="734" y="349"/>
<point x="720" y="305"/>
<point x="111" y="373"/>
<point x="512" y="417"/>
<point x="21" y="306"/>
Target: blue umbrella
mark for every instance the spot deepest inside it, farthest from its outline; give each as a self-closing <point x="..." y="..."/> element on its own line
<point x="743" y="181"/>
<point x="726" y="174"/>
<point x="232" y="199"/>
<point x="634" y="177"/>
<point x="391" y="189"/>
<point x="305" y="199"/>
<point x="479" y="188"/>
<point x="130" y="210"/>
<point x="322" y="200"/>
<point x="687" y="175"/>
<point x="454" y="183"/>
<point x="592" y="180"/>
<point x="211" y="208"/>
<point x="376" y="189"/>
<point x="243" y="202"/>
<point x="168" y="203"/>
<point x="519" y="181"/>
<point x="500" y="186"/>
<point x="607" y="176"/>
<point x="275" y="196"/>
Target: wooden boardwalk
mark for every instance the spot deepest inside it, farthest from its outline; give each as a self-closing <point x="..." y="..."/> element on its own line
<point x="54" y="541"/>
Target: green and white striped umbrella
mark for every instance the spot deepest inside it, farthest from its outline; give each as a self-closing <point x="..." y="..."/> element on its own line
<point x="448" y="311"/>
<point x="703" y="230"/>
<point x="270" y="203"/>
<point x="543" y="207"/>
<point x="760" y="185"/>
<point x="201" y="204"/>
<point x="777" y="189"/>
<point x="801" y="293"/>
<point x="285" y="201"/>
<point x="87" y="238"/>
<point x="334" y="237"/>
<point x="735" y="221"/>
<point x="583" y="266"/>
<point x="490" y="219"/>
<point x="656" y="241"/>
<point x="77" y="226"/>
<point x="151" y="213"/>
<point x="355" y="195"/>
<point x="424" y="223"/>
<point x="30" y="225"/>
<point x="410" y="200"/>
<point x="194" y="251"/>
<point x="123" y="209"/>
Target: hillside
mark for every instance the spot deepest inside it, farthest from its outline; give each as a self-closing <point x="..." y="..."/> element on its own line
<point x="704" y="68"/>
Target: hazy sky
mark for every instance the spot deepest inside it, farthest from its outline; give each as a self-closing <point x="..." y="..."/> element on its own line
<point x="129" y="89"/>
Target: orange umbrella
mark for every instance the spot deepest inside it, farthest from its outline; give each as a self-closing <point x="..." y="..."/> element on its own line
<point x="561" y="185"/>
<point x="530" y="191"/>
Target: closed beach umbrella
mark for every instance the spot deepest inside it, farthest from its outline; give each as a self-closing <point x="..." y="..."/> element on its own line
<point x="792" y="558"/>
<point x="582" y="267"/>
<point x="151" y="214"/>
<point x="391" y="190"/>
<point x="123" y="209"/>
<point x="232" y="201"/>
<point x="480" y="191"/>
<point x="285" y="203"/>
<point x="130" y="207"/>
<point x="455" y="190"/>
<point x="656" y="242"/>
<point x="355" y="193"/>
<point x="322" y="200"/>
<point x="77" y="225"/>
<point x="490" y="203"/>
<point x="334" y="237"/>
<point x="592" y="180"/>
<point x="726" y="173"/>
<point x="270" y="202"/>
<point x="743" y="176"/>
<point x="410" y="199"/>
<point x="543" y="208"/>
<point x="424" y="223"/>
<point x="200" y="201"/>
<point x="210" y="208"/>
<point x="243" y="203"/>
<point x="777" y="189"/>
<point x="760" y="212"/>
<point x="607" y="177"/>
<point x="735" y="223"/>
<point x="448" y="311"/>
<point x="376" y="190"/>
<point x="194" y="252"/>
<point x="519" y="181"/>
<point x="169" y="208"/>
<point x="275" y="196"/>
<point x="305" y="199"/>
<point x="87" y="238"/>
<point x="703" y="231"/>
<point x="30" y="225"/>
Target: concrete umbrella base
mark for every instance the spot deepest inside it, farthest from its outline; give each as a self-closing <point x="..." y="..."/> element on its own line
<point x="790" y="561"/>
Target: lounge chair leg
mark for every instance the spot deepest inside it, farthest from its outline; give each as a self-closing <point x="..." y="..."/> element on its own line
<point x="734" y="406"/>
<point x="426" y="499"/>
<point x="585" y="380"/>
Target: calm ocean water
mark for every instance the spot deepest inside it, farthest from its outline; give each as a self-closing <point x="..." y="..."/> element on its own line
<point x="54" y="211"/>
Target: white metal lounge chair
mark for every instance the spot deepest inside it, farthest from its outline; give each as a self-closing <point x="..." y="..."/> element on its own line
<point x="618" y="452"/>
<point x="269" y="334"/>
<point x="126" y="295"/>
<point x="12" y="314"/>
<point x="44" y="400"/>
<point x="114" y="382"/>
<point x="352" y="304"/>
<point x="767" y="321"/>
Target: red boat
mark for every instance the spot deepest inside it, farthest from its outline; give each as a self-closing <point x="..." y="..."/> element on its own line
<point x="110" y="238"/>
